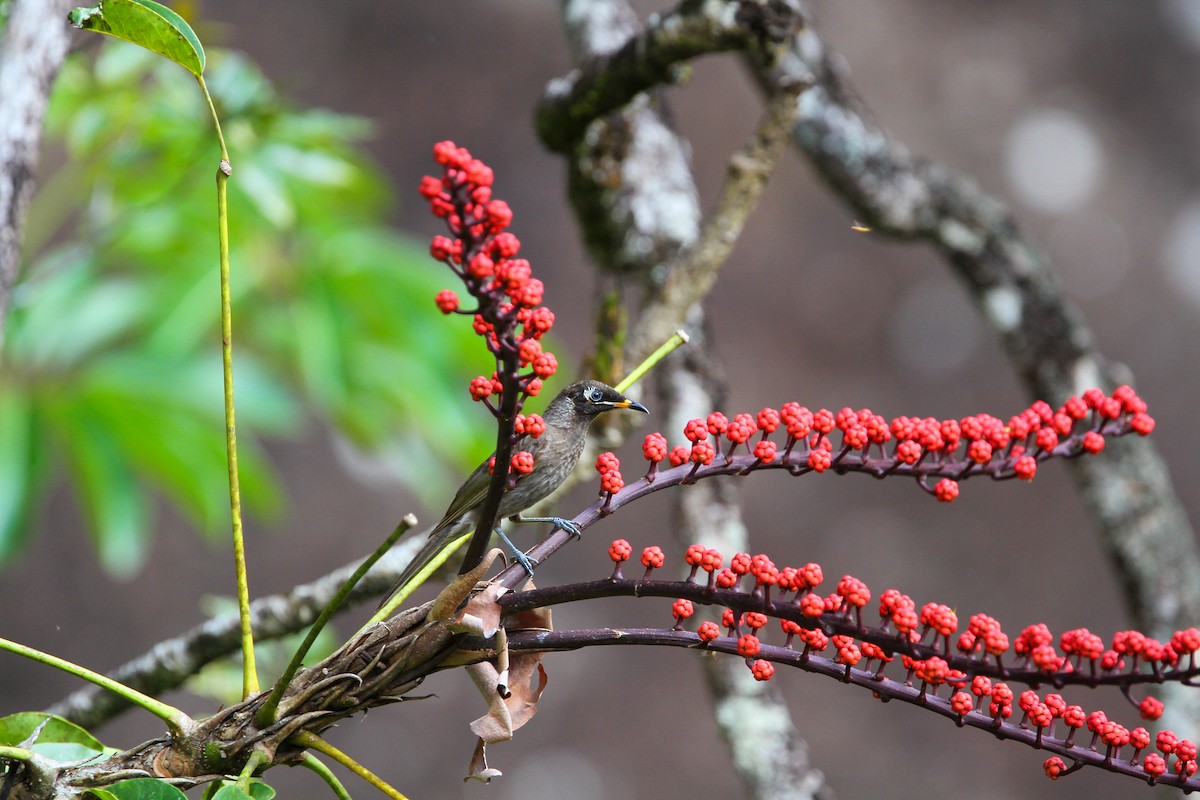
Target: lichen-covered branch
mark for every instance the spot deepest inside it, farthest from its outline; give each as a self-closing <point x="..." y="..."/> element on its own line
<point x="32" y="48"/>
<point x="636" y="201"/>
<point x="610" y="78"/>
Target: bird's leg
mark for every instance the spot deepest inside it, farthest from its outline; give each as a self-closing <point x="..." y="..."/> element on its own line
<point x="518" y="555"/>
<point x="558" y="522"/>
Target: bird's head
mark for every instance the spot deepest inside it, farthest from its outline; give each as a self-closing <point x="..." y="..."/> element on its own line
<point x="589" y="398"/>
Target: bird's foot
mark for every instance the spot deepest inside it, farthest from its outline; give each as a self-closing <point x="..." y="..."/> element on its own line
<point x="568" y="526"/>
<point x="558" y="522"/>
<point x="519" y="556"/>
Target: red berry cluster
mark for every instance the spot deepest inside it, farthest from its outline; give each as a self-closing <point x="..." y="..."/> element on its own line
<point x="933" y="651"/>
<point x="611" y="482"/>
<point x="509" y="313"/>
<point x="921" y="447"/>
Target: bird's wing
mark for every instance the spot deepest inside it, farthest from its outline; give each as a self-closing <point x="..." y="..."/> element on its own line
<point x="471" y="494"/>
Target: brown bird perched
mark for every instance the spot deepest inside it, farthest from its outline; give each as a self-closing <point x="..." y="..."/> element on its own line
<point x="555" y="454"/>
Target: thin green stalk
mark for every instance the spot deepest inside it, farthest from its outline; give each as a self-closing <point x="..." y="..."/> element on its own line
<point x="311" y="762"/>
<point x="178" y="722"/>
<point x="680" y="338"/>
<point x="314" y="742"/>
<point x="224" y="170"/>
<point x="418" y="579"/>
<point x="16" y="753"/>
<point x="257" y="759"/>
<point x="266" y="714"/>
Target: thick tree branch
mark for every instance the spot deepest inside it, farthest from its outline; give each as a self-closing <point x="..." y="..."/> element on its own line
<point x="32" y="49"/>
<point x="691" y="275"/>
<point x="636" y="200"/>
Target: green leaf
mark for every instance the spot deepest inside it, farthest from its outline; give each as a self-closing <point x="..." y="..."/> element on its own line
<point x="19" y="475"/>
<point x="258" y="791"/>
<point x="108" y="490"/>
<point x="140" y="789"/>
<point x="146" y="23"/>
<point x="58" y="740"/>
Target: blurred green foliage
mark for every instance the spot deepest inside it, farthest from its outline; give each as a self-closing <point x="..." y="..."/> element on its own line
<point x="111" y="375"/>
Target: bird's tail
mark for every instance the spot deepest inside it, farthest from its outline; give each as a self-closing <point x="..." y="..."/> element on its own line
<point x="438" y="539"/>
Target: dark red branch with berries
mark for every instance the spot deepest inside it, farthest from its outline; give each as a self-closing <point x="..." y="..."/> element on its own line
<point x="508" y="314"/>
<point x="820" y="633"/>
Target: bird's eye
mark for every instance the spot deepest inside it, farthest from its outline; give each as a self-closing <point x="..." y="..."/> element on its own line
<point x="593" y="395"/>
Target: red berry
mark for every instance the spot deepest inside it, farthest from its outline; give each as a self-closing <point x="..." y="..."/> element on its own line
<point x="522" y="462"/>
<point x="654" y="448"/>
<point x="607" y="462"/>
<point x="1025" y="468"/>
<point x="678" y="455"/>
<point x="620" y="550"/>
<point x="768" y="420"/>
<point x="765" y="451"/>
<point x="481" y="388"/>
<point x="708" y="631"/>
<point x="702" y="453"/>
<point x="530" y="349"/>
<point x="652" y="557"/>
<point x="748" y="645"/>
<point x="946" y="490"/>
<point x="545" y="365"/>
<point x="762" y="670"/>
<point x="447" y="301"/>
<point x="506" y="245"/>
<point x="696" y="430"/>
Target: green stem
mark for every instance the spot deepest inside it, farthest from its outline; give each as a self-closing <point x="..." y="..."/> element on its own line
<point x="224" y="170"/>
<point x="266" y="714"/>
<point x="178" y="722"/>
<point x="212" y="109"/>
<point x="403" y="593"/>
<point x="311" y="762"/>
<point x="16" y="753"/>
<point x="680" y="338"/>
<point x="257" y="759"/>
<point x="314" y="742"/>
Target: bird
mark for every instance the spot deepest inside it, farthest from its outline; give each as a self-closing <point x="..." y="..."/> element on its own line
<point x="555" y="453"/>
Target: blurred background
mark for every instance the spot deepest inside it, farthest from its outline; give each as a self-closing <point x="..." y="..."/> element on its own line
<point x="1083" y="116"/>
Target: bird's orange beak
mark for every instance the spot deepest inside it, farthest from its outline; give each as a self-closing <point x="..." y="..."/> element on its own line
<point x="631" y="404"/>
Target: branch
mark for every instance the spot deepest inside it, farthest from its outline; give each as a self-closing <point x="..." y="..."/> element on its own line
<point x="32" y="49"/>
<point x="637" y="204"/>
<point x="1185" y="671"/>
<point x="692" y="273"/>
<point x="607" y="81"/>
<point x="168" y="664"/>
<point x="1143" y="527"/>
<point x="752" y="716"/>
<point x="1145" y="532"/>
<point x="884" y="688"/>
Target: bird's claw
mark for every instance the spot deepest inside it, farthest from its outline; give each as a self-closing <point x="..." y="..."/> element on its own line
<point x="519" y="556"/>
<point x="568" y="526"/>
<point x="525" y="561"/>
